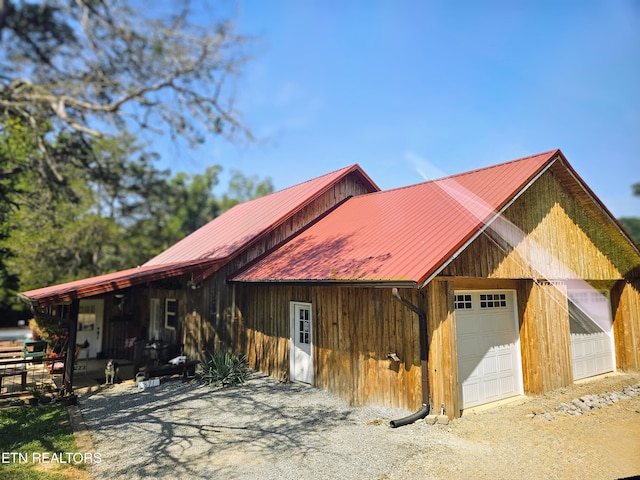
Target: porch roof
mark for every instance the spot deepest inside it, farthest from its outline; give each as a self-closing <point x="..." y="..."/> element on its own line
<point x="209" y="247"/>
<point x="109" y="282"/>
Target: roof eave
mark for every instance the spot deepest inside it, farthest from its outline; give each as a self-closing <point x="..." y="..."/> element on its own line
<point x="111" y="285"/>
<point x="328" y="282"/>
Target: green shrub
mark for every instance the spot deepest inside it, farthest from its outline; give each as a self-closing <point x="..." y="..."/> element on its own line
<point x="222" y="369"/>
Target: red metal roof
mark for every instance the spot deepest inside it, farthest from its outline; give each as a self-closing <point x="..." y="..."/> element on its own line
<point x="208" y="248"/>
<point x="110" y="282"/>
<point x="401" y="235"/>
<point x="229" y="233"/>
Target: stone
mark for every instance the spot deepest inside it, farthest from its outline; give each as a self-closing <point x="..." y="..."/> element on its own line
<point x="443" y="420"/>
<point x="430" y="419"/>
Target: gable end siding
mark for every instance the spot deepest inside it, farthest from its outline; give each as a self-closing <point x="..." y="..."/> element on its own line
<point x="550" y="233"/>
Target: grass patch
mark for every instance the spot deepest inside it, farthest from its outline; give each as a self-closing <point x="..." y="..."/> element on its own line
<point x="26" y="433"/>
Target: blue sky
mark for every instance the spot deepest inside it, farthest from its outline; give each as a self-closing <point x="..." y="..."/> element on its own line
<point x="415" y="89"/>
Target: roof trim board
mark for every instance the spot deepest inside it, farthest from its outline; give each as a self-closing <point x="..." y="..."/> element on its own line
<point x="601" y="206"/>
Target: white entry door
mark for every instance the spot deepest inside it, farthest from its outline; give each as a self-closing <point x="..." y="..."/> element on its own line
<point x="301" y="351"/>
<point x="90" y="319"/>
<point x="489" y="361"/>
<point x="592" y="346"/>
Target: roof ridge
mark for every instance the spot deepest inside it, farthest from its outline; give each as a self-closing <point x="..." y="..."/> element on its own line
<point x="345" y="169"/>
<point x="502" y="164"/>
<point x="550" y="153"/>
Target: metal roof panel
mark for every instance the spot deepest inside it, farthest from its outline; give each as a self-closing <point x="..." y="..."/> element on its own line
<point x="230" y="232"/>
<point x="397" y="235"/>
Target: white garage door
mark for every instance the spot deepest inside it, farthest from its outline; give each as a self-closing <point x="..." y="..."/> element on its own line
<point x="489" y="365"/>
<point x="592" y="347"/>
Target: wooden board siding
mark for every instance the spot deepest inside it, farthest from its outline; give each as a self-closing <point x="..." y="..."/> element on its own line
<point x="443" y="353"/>
<point x="544" y="336"/>
<point x="551" y="234"/>
<point x="625" y="304"/>
<point x="354" y="330"/>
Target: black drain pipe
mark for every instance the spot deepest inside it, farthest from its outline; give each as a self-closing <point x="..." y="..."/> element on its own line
<point x="424" y="353"/>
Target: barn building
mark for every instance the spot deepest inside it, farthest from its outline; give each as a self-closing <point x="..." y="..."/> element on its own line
<point x="457" y="292"/>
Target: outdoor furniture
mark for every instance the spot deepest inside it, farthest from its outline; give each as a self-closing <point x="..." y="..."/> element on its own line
<point x="14" y="371"/>
<point x="186" y="369"/>
<point x="34" y="349"/>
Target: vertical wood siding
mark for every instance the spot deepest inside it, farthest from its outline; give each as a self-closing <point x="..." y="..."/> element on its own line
<point x="554" y="231"/>
<point x="354" y="330"/>
<point x="211" y="322"/>
<point x="443" y="359"/>
<point x="544" y="336"/>
<point x="551" y="234"/>
<point x="625" y="303"/>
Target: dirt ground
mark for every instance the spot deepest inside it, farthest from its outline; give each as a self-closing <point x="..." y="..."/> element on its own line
<point x="506" y="442"/>
<point x="271" y="430"/>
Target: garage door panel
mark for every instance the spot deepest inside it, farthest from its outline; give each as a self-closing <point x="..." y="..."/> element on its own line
<point x="507" y="363"/>
<point x="491" y="389"/>
<point x="488" y="348"/>
<point x="471" y="346"/>
<point x="507" y="385"/>
<point x="502" y="341"/>
<point x="490" y="366"/>
<point x="592" y="349"/>
<point x="471" y="392"/>
<point x="468" y="368"/>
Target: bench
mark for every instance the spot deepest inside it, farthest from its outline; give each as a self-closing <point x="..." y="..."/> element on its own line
<point x="14" y="372"/>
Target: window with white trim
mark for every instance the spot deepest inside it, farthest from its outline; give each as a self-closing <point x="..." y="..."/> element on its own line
<point x="170" y="313"/>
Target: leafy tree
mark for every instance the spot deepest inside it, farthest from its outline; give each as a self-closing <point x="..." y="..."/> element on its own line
<point x="632" y="226"/>
<point x="242" y="189"/>
<point x="87" y="69"/>
<point x="78" y="195"/>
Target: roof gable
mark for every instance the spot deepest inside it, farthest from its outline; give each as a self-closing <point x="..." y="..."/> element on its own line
<point x="401" y="235"/>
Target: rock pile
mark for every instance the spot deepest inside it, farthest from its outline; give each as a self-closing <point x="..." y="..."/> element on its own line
<point x="586" y="403"/>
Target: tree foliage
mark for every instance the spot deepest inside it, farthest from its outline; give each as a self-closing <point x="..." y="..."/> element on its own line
<point x="80" y="83"/>
<point x="85" y="69"/>
<point x="632" y="226"/>
<point x="114" y="221"/>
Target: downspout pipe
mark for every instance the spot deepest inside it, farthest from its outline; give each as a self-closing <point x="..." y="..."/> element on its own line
<point x="424" y="353"/>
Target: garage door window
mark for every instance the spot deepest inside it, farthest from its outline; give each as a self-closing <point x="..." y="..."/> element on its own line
<point x="493" y="300"/>
<point x="463" y="302"/>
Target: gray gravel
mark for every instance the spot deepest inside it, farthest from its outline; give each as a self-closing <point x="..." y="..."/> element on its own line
<point x="264" y="429"/>
<point x="272" y="430"/>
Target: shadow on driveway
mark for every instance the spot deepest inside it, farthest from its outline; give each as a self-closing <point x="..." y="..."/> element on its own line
<point x="263" y="429"/>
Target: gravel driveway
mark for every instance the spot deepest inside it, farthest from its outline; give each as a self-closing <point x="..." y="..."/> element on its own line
<point x="271" y="430"/>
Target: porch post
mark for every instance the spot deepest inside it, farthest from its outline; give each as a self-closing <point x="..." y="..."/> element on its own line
<point x="70" y="361"/>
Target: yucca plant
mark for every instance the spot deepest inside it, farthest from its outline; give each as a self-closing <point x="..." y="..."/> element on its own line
<point x="222" y="369"/>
